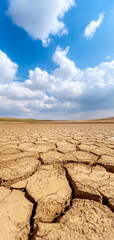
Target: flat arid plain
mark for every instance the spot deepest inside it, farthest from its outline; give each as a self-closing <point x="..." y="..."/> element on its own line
<point x="57" y="180"/>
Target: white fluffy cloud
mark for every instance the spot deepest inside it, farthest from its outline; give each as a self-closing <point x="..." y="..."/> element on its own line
<point x="16" y="90"/>
<point x="68" y="92"/>
<point x="67" y="69"/>
<point x="40" y="18"/>
<point x="38" y="79"/>
<point x="91" y="28"/>
<point x="8" y="69"/>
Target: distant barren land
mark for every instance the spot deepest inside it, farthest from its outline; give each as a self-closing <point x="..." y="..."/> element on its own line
<point x="56" y="180"/>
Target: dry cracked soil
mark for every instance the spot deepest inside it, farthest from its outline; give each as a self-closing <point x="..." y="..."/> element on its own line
<point x="57" y="181"/>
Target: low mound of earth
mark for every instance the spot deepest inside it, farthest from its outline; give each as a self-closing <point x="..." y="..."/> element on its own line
<point x="16" y="120"/>
<point x="57" y="181"/>
<point x="110" y="120"/>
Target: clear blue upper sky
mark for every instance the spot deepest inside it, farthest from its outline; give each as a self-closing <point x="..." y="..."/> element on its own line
<point x="87" y="49"/>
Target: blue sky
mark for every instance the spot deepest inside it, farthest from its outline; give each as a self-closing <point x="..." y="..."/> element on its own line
<point x="57" y="59"/>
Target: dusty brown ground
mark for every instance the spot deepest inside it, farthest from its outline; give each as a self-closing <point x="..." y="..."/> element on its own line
<point x="56" y="181"/>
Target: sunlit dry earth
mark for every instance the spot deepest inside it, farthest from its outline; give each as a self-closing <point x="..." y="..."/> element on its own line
<point x="57" y="181"/>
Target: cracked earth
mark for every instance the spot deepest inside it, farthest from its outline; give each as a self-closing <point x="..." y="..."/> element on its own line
<point x="57" y="181"/>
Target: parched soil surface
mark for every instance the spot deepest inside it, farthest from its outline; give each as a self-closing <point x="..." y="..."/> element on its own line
<point x="57" y="181"/>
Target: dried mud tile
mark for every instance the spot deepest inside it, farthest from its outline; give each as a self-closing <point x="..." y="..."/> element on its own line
<point x="6" y="150"/>
<point x="50" y="188"/>
<point x="85" y="157"/>
<point x="96" y="149"/>
<point x="20" y="184"/>
<point x="76" y="174"/>
<point x="16" y="156"/>
<point x="84" y="220"/>
<point x="89" y="182"/>
<point x="18" y="170"/>
<point x="4" y="192"/>
<point x="15" y="213"/>
<point x="52" y="157"/>
<point x="65" y="147"/>
<point x="24" y="146"/>
<point x="107" y="162"/>
<point x="45" y="147"/>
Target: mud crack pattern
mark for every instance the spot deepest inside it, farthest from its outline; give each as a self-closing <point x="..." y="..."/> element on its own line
<point x="56" y="181"/>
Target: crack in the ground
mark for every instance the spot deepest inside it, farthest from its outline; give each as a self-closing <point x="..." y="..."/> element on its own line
<point x="60" y="151"/>
<point x="86" y="195"/>
<point x="76" y="162"/>
<point x="80" y="194"/>
<point x="57" y="219"/>
<point x="107" y="167"/>
<point x="41" y="160"/>
<point x="56" y="145"/>
<point x="78" y="149"/>
<point x="6" y="196"/>
<point x="105" y="201"/>
<point x="89" y="151"/>
<point x="33" y="229"/>
<point x="95" y="162"/>
<point x="75" y="144"/>
<point x="73" y="196"/>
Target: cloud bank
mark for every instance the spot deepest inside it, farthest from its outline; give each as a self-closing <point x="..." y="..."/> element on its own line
<point x="67" y="93"/>
<point x="8" y="69"/>
<point x="92" y="27"/>
<point x="39" y="18"/>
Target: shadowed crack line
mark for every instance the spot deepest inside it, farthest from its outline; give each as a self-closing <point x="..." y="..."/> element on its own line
<point x="41" y="160"/>
<point x="58" y="217"/>
<point x="95" y="162"/>
<point x="86" y="195"/>
<point x="60" y="151"/>
<point x="105" y="201"/>
<point x="33" y="229"/>
<point x="76" y="162"/>
<point x="80" y="194"/>
<point x="107" y="167"/>
<point x="87" y="151"/>
<point x="6" y="196"/>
